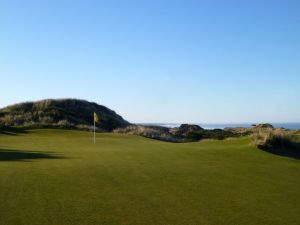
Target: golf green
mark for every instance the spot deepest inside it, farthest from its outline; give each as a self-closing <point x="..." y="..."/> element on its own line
<point x="60" y="177"/>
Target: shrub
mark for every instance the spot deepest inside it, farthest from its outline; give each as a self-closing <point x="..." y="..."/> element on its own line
<point x="218" y="134"/>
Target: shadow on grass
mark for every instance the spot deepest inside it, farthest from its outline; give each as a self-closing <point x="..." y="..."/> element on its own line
<point x="26" y="156"/>
<point x="292" y="151"/>
<point x="12" y="130"/>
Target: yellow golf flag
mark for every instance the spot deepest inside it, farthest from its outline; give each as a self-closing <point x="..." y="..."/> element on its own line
<point x="96" y="118"/>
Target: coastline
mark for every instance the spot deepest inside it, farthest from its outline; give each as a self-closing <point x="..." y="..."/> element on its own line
<point x="211" y="126"/>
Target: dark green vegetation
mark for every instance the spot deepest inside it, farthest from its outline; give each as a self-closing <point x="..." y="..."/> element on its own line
<point x="55" y="177"/>
<point x="217" y="134"/>
<point x="62" y="113"/>
<point x="190" y="133"/>
<point x="182" y="134"/>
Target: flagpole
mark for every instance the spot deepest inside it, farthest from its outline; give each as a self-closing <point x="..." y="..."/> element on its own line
<point x="94" y="131"/>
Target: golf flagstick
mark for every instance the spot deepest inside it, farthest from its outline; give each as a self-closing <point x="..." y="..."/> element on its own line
<point x="94" y="131"/>
<point x="96" y="120"/>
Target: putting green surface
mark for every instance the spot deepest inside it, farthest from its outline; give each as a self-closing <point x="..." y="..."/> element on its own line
<point x="61" y="178"/>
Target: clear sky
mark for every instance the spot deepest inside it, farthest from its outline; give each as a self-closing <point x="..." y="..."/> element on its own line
<point x="156" y="61"/>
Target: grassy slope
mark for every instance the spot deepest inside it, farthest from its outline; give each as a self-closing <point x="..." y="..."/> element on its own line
<point x="137" y="181"/>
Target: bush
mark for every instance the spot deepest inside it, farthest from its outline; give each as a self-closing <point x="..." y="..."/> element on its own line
<point x="217" y="134"/>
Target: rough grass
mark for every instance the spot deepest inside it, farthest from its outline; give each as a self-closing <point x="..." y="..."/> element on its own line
<point x="60" y="177"/>
<point x="278" y="141"/>
<point x="270" y="138"/>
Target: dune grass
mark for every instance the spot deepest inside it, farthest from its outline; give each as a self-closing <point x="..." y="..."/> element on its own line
<point x="60" y="177"/>
<point x="278" y="141"/>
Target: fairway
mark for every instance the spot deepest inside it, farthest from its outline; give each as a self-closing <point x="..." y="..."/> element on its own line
<point x="60" y="177"/>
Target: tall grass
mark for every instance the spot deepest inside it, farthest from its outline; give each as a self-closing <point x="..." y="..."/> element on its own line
<point x="271" y="139"/>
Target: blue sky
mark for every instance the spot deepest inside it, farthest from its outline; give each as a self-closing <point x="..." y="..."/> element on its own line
<point x="156" y="61"/>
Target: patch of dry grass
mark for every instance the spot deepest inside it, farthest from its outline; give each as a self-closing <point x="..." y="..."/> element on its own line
<point x="272" y="138"/>
<point x="278" y="141"/>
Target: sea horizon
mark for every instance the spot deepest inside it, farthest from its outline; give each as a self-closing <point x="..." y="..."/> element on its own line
<point x="211" y="126"/>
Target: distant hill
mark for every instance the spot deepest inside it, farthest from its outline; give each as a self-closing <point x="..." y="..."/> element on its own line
<point x="63" y="113"/>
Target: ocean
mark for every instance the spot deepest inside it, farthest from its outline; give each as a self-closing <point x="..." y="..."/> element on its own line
<point x="291" y="126"/>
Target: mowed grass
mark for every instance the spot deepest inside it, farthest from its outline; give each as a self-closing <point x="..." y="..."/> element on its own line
<point x="61" y="178"/>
